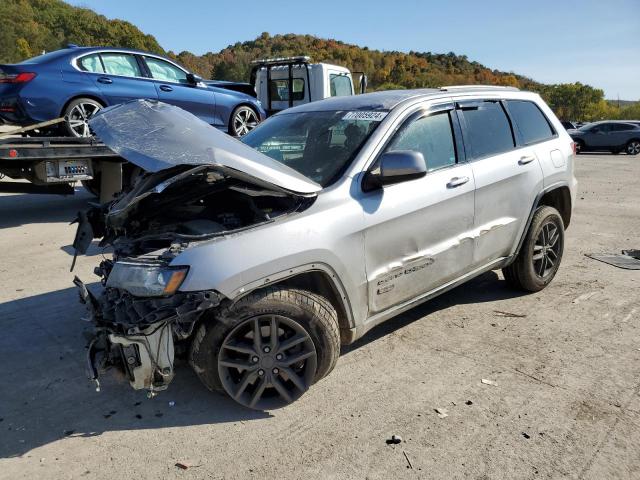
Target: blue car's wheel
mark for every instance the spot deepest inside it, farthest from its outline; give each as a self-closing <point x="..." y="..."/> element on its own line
<point x="77" y="115"/>
<point x="243" y="120"/>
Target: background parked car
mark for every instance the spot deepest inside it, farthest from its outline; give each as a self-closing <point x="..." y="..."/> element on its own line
<point x="568" y="125"/>
<point x="76" y="82"/>
<point x="612" y="136"/>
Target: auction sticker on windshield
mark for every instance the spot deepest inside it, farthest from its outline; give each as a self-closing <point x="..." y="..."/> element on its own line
<point x="371" y="116"/>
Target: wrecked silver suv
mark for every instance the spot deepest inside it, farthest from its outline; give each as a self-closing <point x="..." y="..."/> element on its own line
<point x="257" y="260"/>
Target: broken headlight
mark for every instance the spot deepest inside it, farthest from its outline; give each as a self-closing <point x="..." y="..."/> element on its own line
<point x="146" y="280"/>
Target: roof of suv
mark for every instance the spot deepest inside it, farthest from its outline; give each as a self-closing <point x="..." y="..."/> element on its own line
<point x="387" y="99"/>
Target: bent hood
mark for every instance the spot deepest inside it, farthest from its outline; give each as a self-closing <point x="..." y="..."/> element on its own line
<point x="156" y="136"/>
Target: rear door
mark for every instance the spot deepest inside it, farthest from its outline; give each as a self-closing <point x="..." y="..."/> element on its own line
<point x="418" y="233"/>
<point x="118" y="75"/>
<point x="507" y="178"/>
<point x="172" y="87"/>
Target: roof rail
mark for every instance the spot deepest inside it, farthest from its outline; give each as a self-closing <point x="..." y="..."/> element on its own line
<point x="282" y="61"/>
<point x="478" y="87"/>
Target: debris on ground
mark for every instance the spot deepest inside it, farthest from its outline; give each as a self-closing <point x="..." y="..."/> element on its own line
<point x="172" y="403"/>
<point x="526" y="435"/>
<point x="442" y="412"/>
<point x="500" y="313"/>
<point x="181" y="465"/>
<point x="584" y="296"/>
<point x="468" y="402"/>
<point x="629" y="259"/>
<point x="489" y="382"/>
<point x="408" y="461"/>
<point x="394" y="440"/>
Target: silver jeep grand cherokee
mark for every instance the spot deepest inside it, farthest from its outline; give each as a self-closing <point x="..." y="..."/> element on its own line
<point x="257" y="260"/>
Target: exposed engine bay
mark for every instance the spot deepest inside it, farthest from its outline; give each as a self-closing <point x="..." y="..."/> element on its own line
<point x="208" y="189"/>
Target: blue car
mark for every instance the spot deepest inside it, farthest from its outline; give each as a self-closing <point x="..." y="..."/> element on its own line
<point x="76" y="82"/>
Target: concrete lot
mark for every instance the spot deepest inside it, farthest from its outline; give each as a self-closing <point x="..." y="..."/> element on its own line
<point x="567" y="367"/>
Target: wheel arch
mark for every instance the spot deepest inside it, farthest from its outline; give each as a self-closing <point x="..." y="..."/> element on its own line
<point x="90" y="96"/>
<point x="557" y="196"/>
<point x="243" y="103"/>
<point x="316" y="278"/>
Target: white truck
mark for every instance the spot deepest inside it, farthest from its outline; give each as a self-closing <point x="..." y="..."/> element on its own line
<point x="287" y="82"/>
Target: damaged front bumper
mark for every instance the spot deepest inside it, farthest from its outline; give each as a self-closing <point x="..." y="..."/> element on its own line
<point x="138" y="336"/>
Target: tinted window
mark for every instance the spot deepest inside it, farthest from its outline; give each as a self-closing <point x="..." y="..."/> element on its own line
<point x="621" y="127"/>
<point x="120" y="64"/>
<point x="340" y="85"/>
<point x="530" y="121"/>
<point x="279" y="90"/>
<point x="91" y="63"/>
<point x="488" y="129"/>
<point x="432" y="136"/>
<point x="165" y="71"/>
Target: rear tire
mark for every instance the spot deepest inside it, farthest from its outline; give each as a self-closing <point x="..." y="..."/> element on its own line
<point x="261" y="375"/>
<point x="77" y="115"/>
<point x="541" y="252"/>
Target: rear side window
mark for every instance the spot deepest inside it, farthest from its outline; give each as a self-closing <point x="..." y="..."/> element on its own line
<point x="488" y="128"/>
<point x="121" y="64"/>
<point x="622" y="127"/>
<point x="91" y="63"/>
<point x="530" y="121"/>
<point x="432" y="136"/>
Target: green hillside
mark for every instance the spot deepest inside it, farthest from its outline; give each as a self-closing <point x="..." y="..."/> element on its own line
<point x="35" y="26"/>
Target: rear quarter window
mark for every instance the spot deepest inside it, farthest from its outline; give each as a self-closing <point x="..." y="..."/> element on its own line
<point x="488" y="128"/>
<point x="530" y="121"/>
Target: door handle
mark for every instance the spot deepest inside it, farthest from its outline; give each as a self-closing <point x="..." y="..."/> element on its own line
<point x="457" y="181"/>
<point x="166" y="88"/>
<point x="526" y="159"/>
<point x="105" y="80"/>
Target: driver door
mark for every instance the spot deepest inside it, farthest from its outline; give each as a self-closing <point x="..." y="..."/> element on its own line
<point x="172" y="87"/>
<point x="418" y="232"/>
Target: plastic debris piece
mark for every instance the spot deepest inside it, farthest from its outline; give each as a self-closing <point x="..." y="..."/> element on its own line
<point x="172" y="403"/>
<point x="442" y="412"/>
<point x="500" y="313"/>
<point x="408" y="461"/>
<point x="468" y="402"/>
<point x="526" y="435"/>
<point x="489" y="382"/>
<point x="181" y="465"/>
<point x="394" y="440"/>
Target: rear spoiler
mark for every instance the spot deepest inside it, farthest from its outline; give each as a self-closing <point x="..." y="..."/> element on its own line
<point x="241" y="87"/>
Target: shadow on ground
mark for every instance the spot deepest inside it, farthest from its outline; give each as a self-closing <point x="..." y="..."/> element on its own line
<point x="46" y="396"/>
<point x="24" y="208"/>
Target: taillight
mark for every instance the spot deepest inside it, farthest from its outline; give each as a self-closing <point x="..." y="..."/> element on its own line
<point x="23" y="77"/>
<point x="573" y="147"/>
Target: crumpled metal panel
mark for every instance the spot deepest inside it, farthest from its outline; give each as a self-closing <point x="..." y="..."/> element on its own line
<point x="156" y="136"/>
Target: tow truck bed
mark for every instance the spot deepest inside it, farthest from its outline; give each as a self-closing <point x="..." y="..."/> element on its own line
<point x="60" y="161"/>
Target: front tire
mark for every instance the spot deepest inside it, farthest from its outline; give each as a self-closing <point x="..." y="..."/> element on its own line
<point x="267" y="349"/>
<point x="541" y="252"/>
<point x="633" y="147"/>
<point x="243" y="120"/>
<point x="77" y="116"/>
<point x="579" y="146"/>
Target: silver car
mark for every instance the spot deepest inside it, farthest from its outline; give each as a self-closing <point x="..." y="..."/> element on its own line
<point x="258" y="259"/>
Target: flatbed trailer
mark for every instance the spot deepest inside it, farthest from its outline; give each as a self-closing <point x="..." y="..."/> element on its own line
<point x="54" y="164"/>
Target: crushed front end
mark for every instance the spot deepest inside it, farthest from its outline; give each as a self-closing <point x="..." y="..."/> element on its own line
<point x="142" y="323"/>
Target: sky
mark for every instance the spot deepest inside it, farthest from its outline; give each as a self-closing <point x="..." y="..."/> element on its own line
<point x="596" y="42"/>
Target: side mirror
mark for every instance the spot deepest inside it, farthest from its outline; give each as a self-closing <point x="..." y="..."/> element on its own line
<point x="395" y="167"/>
<point x="193" y="79"/>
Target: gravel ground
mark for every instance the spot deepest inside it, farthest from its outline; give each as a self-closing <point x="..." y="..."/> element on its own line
<point x="566" y="368"/>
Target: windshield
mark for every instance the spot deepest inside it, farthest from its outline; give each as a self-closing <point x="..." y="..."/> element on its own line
<point x="319" y="145"/>
<point x="586" y="127"/>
